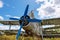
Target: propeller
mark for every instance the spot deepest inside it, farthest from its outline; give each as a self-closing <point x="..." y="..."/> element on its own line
<point x="24" y="20"/>
<point x="34" y="20"/>
<point x="19" y="31"/>
<point x="14" y="18"/>
<point x="26" y="10"/>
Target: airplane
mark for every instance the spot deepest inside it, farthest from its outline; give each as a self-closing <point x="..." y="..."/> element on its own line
<point x="25" y="21"/>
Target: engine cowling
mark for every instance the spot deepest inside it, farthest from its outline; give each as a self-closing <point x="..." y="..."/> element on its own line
<point x="24" y="20"/>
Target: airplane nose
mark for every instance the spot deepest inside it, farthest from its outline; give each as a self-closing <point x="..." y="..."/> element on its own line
<point x="23" y="20"/>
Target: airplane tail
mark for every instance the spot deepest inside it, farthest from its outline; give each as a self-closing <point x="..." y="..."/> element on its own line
<point x="31" y="14"/>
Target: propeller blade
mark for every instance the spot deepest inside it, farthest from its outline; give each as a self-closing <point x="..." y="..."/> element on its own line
<point x="26" y="10"/>
<point x="34" y="20"/>
<point x="14" y="19"/>
<point x="19" y="31"/>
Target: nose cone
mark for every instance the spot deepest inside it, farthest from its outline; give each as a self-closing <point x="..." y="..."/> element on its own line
<point x="24" y="20"/>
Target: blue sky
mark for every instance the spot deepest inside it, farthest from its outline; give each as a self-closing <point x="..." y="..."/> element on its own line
<point x="43" y="9"/>
<point x="17" y="8"/>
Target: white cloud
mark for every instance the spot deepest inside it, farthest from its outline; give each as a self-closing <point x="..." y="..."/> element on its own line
<point x="16" y="17"/>
<point x="1" y="4"/>
<point x="1" y="18"/>
<point x="12" y="16"/>
<point x="38" y="1"/>
<point x="8" y="15"/>
<point x="49" y="9"/>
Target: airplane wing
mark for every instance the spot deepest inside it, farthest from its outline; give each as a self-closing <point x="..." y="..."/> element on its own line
<point x="54" y="21"/>
<point x="9" y="22"/>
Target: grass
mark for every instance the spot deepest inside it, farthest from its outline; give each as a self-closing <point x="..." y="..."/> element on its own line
<point x="13" y="37"/>
<point x="51" y="38"/>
